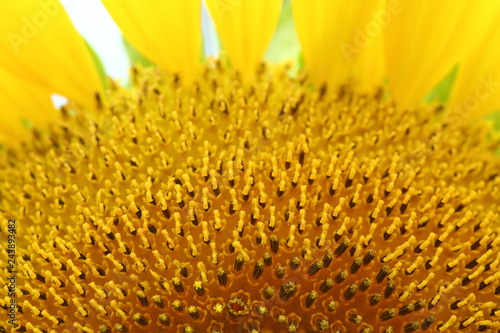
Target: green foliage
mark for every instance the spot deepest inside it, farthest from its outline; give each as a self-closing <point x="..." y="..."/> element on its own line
<point x="284" y="45"/>
<point x="441" y="94"/>
<point x="442" y="91"/>
<point x="135" y="56"/>
<point x="495" y="118"/>
<point x="98" y="65"/>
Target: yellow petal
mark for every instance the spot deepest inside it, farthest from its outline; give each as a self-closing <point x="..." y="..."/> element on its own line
<point x="342" y="40"/>
<point x="476" y="91"/>
<point x="424" y="41"/>
<point x="245" y="28"/>
<point x="167" y="32"/>
<point x="21" y="100"/>
<point x="39" y="44"/>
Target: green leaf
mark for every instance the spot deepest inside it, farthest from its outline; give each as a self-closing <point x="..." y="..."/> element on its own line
<point x="441" y="92"/>
<point x="284" y="45"/>
<point x="300" y="61"/>
<point x="495" y="118"/>
<point x="27" y="124"/>
<point x="98" y="65"/>
<point x="135" y="56"/>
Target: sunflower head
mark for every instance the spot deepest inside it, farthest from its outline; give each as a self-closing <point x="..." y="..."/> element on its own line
<point x="236" y="197"/>
<point x="259" y="208"/>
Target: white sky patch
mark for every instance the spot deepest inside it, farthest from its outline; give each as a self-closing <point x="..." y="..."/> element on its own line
<point x="58" y="100"/>
<point x="95" y="24"/>
<point x="211" y="45"/>
<point x="92" y="20"/>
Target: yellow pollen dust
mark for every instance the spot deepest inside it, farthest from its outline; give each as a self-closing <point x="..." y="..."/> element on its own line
<point x="263" y="207"/>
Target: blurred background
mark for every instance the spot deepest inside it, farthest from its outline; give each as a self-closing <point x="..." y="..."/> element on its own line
<point x="97" y="27"/>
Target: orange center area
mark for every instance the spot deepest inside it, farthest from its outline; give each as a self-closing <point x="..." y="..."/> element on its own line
<point x="267" y="207"/>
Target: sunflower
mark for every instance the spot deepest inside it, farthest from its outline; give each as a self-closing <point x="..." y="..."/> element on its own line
<point x="235" y="195"/>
